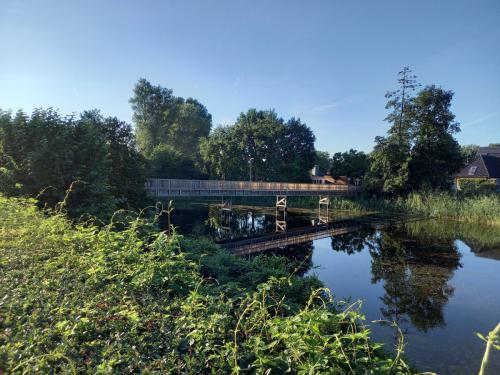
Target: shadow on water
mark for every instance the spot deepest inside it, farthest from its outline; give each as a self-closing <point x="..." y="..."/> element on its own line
<point x="437" y="280"/>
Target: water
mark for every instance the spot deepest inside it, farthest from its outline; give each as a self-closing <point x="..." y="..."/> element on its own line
<point x="439" y="281"/>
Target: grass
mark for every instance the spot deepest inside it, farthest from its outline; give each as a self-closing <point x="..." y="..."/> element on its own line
<point x="128" y="298"/>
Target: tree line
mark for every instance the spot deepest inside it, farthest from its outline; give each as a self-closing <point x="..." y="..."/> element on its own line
<point x="108" y="160"/>
<point x="96" y="164"/>
<point x="175" y="135"/>
<point x="45" y="153"/>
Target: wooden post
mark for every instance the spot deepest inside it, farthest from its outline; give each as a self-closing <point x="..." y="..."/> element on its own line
<point x="281" y="206"/>
<point x="226" y="213"/>
<point x="227" y="204"/>
<point x="170" y="208"/>
<point x="323" y="209"/>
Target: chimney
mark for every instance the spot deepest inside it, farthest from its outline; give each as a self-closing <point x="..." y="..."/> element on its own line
<point x="315" y="171"/>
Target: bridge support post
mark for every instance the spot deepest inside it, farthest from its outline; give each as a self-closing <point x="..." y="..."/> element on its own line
<point x="226" y="213"/>
<point x="227" y="204"/>
<point x="324" y="209"/>
<point x="281" y="207"/>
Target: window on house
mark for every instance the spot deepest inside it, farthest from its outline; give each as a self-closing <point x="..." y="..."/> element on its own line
<point x="472" y="170"/>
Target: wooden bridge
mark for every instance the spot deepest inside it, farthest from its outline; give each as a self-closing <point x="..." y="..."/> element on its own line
<point x="291" y="237"/>
<point x="167" y="188"/>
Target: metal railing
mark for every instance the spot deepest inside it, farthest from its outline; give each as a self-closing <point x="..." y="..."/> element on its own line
<point x="179" y="187"/>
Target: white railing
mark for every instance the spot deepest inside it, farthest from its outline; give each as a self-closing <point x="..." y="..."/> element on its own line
<point x="165" y="187"/>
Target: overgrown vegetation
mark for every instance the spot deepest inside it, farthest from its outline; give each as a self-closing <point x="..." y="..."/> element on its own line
<point x="127" y="298"/>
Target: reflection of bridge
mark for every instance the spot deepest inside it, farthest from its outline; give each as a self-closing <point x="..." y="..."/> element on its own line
<point x="291" y="237"/>
<point x="167" y="188"/>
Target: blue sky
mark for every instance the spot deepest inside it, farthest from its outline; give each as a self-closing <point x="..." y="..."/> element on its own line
<point x="327" y="62"/>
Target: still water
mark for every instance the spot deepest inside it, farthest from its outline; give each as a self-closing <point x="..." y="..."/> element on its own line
<point x="439" y="281"/>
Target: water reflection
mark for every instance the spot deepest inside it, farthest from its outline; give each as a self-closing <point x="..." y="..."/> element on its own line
<point x="299" y="254"/>
<point x="483" y="240"/>
<point x="437" y="280"/>
<point x="353" y="242"/>
<point x="415" y="273"/>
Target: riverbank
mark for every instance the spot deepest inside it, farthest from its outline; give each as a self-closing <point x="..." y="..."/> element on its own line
<point x="83" y="299"/>
<point x="449" y="206"/>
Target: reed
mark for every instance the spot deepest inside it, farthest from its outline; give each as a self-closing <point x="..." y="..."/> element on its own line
<point x="442" y="205"/>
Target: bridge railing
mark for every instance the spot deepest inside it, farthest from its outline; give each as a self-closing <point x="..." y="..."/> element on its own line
<point x="166" y="187"/>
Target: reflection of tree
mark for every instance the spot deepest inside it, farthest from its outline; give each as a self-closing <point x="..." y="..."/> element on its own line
<point x="299" y="255"/>
<point x="226" y="226"/>
<point x="352" y="242"/>
<point x="415" y="271"/>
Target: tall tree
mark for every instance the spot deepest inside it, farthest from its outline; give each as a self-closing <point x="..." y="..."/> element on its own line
<point x="436" y="155"/>
<point x="192" y="122"/>
<point x="153" y="107"/>
<point x="260" y="146"/>
<point x="222" y="156"/>
<point x="297" y="151"/>
<point x="323" y="161"/>
<point x="400" y="104"/>
<point x="351" y="163"/>
<point x="162" y="118"/>
<point x="127" y="171"/>
<point x="91" y="166"/>
<point x="258" y="135"/>
<point x="390" y="159"/>
<point x="167" y="162"/>
<point x="468" y="153"/>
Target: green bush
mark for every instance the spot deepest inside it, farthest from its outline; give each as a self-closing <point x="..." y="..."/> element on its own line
<point x="87" y="300"/>
<point x="474" y="186"/>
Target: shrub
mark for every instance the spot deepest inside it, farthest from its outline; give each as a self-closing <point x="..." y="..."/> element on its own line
<point x="471" y="186"/>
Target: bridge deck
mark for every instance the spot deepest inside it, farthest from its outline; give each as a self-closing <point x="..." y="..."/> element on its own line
<point x="291" y="237"/>
<point x="163" y="188"/>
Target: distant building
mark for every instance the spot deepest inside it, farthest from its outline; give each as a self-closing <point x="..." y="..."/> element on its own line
<point x="485" y="167"/>
<point x="318" y="177"/>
